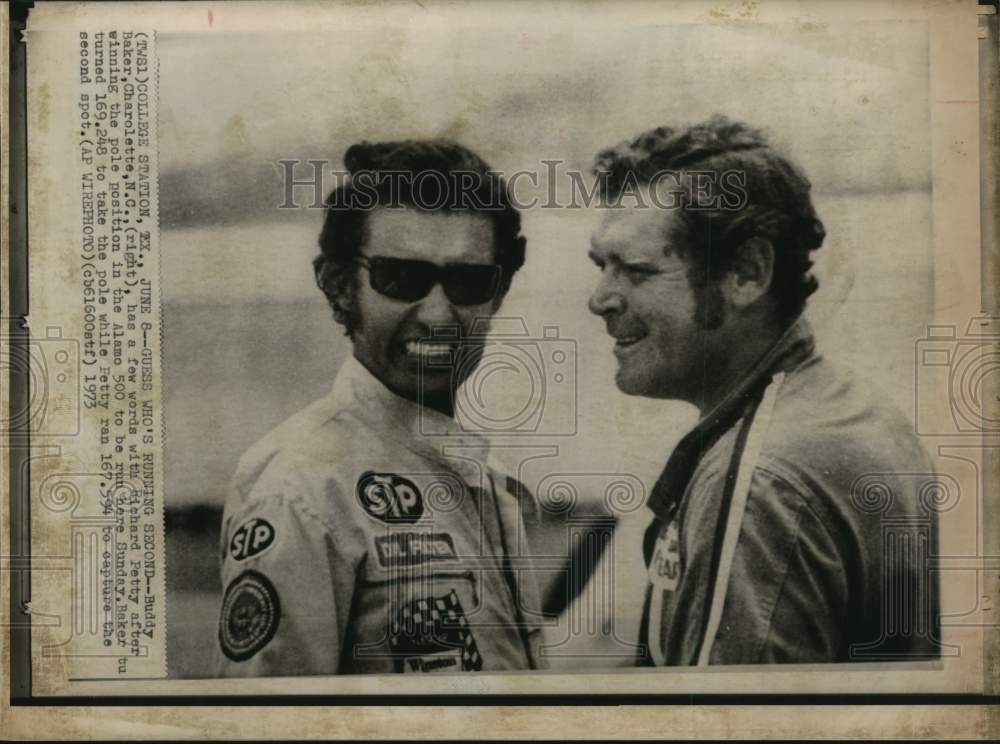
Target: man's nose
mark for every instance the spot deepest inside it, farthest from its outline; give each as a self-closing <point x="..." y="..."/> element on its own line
<point x="436" y="309"/>
<point x="606" y="299"/>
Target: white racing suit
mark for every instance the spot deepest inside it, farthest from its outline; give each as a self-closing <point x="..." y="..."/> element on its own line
<point x="350" y="545"/>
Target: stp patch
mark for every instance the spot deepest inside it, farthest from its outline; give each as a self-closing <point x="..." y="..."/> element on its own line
<point x="250" y="615"/>
<point x="390" y="498"/>
<point x="252" y="538"/>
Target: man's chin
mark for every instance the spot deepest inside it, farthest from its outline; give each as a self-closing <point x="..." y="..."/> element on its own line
<point x="432" y="387"/>
<point x="628" y="384"/>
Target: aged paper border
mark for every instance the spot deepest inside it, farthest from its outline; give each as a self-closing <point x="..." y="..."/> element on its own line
<point x="955" y="223"/>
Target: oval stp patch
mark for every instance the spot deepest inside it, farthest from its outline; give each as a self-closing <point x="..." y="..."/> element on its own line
<point x="390" y="498"/>
<point x="252" y="538"/>
<point x="250" y="615"/>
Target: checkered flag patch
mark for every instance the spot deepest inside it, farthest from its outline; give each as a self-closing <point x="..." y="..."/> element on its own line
<point x="432" y="626"/>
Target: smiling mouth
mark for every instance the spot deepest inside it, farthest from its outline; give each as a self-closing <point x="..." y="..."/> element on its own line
<point x="626" y="342"/>
<point x="423" y="352"/>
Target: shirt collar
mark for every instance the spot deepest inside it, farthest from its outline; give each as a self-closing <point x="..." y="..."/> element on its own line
<point x="792" y="348"/>
<point x="407" y="423"/>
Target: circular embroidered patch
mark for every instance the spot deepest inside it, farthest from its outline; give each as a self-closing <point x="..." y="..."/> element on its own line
<point x="390" y="498"/>
<point x="250" y="614"/>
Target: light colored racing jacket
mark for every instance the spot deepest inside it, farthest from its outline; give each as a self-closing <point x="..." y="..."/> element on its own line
<point x="797" y="523"/>
<point x="351" y="545"/>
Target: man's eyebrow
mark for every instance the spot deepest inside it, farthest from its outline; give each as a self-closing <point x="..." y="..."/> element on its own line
<point x="597" y="259"/>
<point x="640" y="264"/>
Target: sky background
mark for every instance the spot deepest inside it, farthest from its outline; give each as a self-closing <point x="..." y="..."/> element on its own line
<point x="248" y="338"/>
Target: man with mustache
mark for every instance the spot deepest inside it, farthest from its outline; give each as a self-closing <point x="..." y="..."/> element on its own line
<point x="791" y="523"/>
<point x="352" y="541"/>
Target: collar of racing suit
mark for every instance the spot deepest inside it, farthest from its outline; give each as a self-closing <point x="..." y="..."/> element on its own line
<point x="795" y="346"/>
<point x="407" y="423"/>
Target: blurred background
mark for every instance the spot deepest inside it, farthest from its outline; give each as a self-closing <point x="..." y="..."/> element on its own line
<point x="248" y="340"/>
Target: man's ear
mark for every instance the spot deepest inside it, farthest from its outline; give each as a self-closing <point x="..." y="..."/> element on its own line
<point x="345" y="301"/>
<point x="750" y="277"/>
<point x="340" y="290"/>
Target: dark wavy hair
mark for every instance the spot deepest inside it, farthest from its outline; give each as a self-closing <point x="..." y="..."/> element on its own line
<point x="456" y="180"/>
<point x="777" y="206"/>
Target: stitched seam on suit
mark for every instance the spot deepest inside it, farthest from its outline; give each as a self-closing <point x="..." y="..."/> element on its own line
<point x="781" y="589"/>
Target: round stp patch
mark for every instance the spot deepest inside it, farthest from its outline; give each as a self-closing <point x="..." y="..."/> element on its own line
<point x="250" y="615"/>
<point x="252" y="538"/>
<point x="390" y="498"/>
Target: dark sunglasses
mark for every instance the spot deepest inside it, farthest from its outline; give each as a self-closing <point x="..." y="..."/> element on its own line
<point x="411" y="280"/>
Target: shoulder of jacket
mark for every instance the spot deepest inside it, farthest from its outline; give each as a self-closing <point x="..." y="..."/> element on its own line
<point x="830" y="417"/>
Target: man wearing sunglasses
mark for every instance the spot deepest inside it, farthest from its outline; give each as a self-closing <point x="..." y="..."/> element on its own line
<point x="795" y="522"/>
<point x="355" y="542"/>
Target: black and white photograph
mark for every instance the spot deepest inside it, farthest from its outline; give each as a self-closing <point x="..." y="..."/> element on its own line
<point x="450" y="348"/>
<point x="664" y="259"/>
